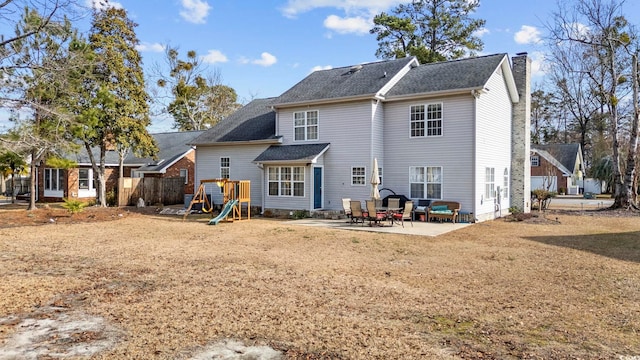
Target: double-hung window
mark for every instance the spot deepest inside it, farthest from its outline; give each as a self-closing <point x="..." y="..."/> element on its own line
<point x="489" y="183"/>
<point x="84" y="182"/>
<point x="184" y="173"/>
<point x="505" y="184"/>
<point x="358" y="176"/>
<point x="305" y="125"/>
<point x="286" y="181"/>
<point x="425" y="182"/>
<point x="426" y="120"/>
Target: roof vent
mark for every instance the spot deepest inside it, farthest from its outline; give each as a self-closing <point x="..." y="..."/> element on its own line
<point x="355" y="68"/>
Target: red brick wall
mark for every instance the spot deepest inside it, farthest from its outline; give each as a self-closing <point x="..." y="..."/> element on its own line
<point x="545" y="169"/>
<point x="187" y="162"/>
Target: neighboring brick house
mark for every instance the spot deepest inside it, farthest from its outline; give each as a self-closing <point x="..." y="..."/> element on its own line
<point x="175" y="159"/>
<point x="557" y="167"/>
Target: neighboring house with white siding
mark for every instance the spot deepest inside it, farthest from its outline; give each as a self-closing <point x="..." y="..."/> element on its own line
<point x="440" y="131"/>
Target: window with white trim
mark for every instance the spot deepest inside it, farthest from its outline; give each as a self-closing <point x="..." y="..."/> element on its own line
<point x="54" y="179"/>
<point x="426" y="120"/>
<point x="225" y="170"/>
<point x="358" y="176"/>
<point x="535" y="160"/>
<point x="489" y="183"/>
<point x="84" y="181"/>
<point x="286" y="181"/>
<point x="305" y="125"/>
<point x="380" y="176"/>
<point x="425" y="182"/>
<point x="505" y="184"/>
<point x="184" y="173"/>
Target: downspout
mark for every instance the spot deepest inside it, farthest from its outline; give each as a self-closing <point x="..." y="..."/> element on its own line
<point x="474" y="162"/>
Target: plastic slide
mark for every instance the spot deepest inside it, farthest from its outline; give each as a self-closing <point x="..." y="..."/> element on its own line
<point x="224" y="213"/>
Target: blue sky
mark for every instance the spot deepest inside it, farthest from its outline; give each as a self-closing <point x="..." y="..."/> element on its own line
<point x="263" y="47"/>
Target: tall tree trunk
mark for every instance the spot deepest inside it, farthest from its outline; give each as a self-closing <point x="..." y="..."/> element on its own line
<point x="630" y="171"/>
<point x="102" y="191"/>
<point x="34" y="181"/>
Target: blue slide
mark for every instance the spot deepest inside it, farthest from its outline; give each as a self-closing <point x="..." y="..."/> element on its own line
<point x="224" y="213"/>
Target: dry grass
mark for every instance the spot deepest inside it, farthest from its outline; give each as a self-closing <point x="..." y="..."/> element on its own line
<point x="167" y="289"/>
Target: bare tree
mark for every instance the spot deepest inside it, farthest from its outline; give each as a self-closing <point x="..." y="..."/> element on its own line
<point x="597" y="37"/>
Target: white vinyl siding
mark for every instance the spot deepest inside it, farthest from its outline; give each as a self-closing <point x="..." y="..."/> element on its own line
<point x="493" y="143"/>
<point x="305" y="125"/>
<point x="208" y="167"/>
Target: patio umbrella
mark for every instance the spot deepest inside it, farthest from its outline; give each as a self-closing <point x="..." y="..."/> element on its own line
<point x="375" y="180"/>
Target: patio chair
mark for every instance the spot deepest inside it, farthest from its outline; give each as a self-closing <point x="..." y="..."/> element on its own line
<point x="393" y="203"/>
<point x="346" y="207"/>
<point x="357" y="215"/>
<point x="405" y="214"/>
<point x="374" y="215"/>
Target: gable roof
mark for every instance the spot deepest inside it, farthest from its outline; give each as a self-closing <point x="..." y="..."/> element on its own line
<point x="253" y="122"/>
<point x="305" y="153"/>
<point x="172" y="147"/>
<point x="464" y="74"/>
<point x="344" y="82"/>
<point x="563" y="156"/>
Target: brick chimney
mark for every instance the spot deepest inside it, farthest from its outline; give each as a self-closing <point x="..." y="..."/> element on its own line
<point x="521" y="135"/>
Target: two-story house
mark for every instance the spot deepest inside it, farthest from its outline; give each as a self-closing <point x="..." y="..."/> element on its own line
<point x="455" y="130"/>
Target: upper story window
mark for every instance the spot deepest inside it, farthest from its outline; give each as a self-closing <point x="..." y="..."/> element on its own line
<point x="305" y="125"/>
<point x="535" y="160"/>
<point x="225" y="170"/>
<point x="426" y="120"/>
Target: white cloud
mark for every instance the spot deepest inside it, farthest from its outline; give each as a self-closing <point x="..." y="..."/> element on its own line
<point x="295" y="7"/>
<point x="195" y="11"/>
<point x="214" y="56"/>
<point x="150" y="47"/>
<point x="348" y="25"/>
<point x="102" y="4"/>
<point x="528" y="35"/>
<point x="482" y="32"/>
<point x="321" y="67"/>
<point x="266" y="59"/>
<point x="538" y="63"/>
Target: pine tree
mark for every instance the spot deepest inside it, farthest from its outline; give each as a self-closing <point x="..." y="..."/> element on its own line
<point x="117" y="113"/>
<point x="431" y="30"/>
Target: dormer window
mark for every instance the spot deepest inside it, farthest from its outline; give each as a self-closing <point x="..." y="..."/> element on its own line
<point x="305" y="125"/>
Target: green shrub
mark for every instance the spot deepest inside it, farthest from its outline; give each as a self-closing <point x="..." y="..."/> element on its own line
<point x="74" y="205"/>
<point x="300" y="214"/>
<point x="112" y="198"/>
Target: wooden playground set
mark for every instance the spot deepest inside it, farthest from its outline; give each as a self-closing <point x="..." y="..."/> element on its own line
<point x="236" y="193"/>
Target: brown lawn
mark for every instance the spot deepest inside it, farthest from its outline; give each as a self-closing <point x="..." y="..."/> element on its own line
<point x="145" y="286"/>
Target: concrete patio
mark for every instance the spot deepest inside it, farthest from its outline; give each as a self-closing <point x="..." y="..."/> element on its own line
<point x="418" y="228"/>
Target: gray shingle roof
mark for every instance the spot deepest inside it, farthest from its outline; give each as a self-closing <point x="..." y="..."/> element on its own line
<point x="450" y="75"/>
<point x="566" y="154"/>
<point x="344" y="82"/>
<point x="172" y="146"/>
<point x="254" y="121"/>
<point x="289" y="153"/>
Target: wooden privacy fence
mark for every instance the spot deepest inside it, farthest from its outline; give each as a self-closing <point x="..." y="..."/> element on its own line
<point x="166" y="191"/>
